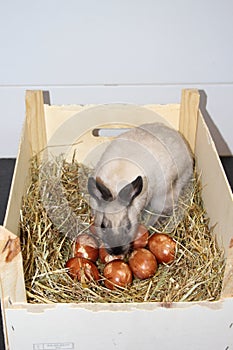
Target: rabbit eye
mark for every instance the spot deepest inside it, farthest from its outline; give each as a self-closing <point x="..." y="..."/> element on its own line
<point x="102" y="225"/>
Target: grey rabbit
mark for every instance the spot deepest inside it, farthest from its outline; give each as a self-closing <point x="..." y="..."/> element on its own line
<point x="145" y="167"/>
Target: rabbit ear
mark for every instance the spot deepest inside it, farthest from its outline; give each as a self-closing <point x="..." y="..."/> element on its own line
<point x="130" y="191"/>
<point x="98" y="190"/>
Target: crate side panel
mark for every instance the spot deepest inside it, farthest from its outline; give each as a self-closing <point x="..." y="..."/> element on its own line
<point x="170" y="113"/>
<point x="11" y="268"/>
<point x="216" y="191"/>
<point x="70" y="127"/>
<point x="56" y="116"/>
<point x="19" y="183"/>
<point x="12" y="286"/>
<point x="67" y="327"/>
<point x="217" y="197"/>
<point x="33" y="139"/>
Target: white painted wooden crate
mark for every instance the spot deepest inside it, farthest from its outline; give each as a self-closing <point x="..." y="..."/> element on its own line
<point x="199" y="325"/>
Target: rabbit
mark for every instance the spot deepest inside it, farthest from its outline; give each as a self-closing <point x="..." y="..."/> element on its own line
<point x="146" y="167"/>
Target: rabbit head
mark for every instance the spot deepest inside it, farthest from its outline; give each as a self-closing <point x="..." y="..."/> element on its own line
<point x="116" y="216"/>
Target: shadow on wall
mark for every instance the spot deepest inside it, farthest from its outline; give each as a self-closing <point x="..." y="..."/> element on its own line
<point x="46" y="97"/>
<point x="220" y="143"/>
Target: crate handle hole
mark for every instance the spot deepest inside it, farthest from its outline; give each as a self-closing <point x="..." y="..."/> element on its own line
<point x="108" y="132"/>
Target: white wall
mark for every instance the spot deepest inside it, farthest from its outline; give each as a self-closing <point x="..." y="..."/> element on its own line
<point x="116" y="51"/>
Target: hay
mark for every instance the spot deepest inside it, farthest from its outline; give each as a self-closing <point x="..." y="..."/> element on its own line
<point x="55" y="209"/>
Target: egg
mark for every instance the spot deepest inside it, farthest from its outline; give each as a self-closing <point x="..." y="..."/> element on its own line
<point x="117" y="273"/>
<point x="143" y="263"/>
<point x="82" y="269"/>
<point x="92" y="228"/>
<point x="86" y="246"/>
<point x="105" y="257"/>
<point x="141" y="238"/>
<point x="163" y="247"/>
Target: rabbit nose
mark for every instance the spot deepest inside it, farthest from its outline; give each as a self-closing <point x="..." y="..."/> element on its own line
<point x="116" y="250"/>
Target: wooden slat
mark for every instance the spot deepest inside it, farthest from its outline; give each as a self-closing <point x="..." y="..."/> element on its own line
<point x="35" y="120"/>
<point x="18" y="184"/>
<point x="33" y="140"/>
<point x="188" y="115"/>
<point x="227" y="289"/>
<point x="11" y="269"/>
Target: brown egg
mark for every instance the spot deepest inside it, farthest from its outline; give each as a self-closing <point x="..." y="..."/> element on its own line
<point x="163" y="247"/>
<point x="92" y="228"/>
<point x="117" y="273"/>
<point x="141" y="238"/>
<point x="105" y="257"/>
<point x="143" y="263"/>
<point x="86" y="246"/>
<point x="82" y="269"/>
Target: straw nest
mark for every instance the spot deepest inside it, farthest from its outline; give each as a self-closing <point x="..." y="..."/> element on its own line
<point x="55" y="208"/>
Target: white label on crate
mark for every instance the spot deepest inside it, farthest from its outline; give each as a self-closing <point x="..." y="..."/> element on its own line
<point x="53" y="346"/>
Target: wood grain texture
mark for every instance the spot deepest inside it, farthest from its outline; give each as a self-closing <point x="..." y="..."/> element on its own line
<point x="11" y="269"/>
<point x="36" y="121"/>
<point x="217" y="197"/>
<point x="227" y="289"/>
<point x="188" y="115"/>
<point x="19" y="183"/>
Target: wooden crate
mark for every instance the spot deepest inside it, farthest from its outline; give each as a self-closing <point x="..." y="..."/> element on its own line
<point x="198" y="325"/>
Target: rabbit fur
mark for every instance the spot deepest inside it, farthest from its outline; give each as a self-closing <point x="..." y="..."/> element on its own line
<point x="145" y="167"/>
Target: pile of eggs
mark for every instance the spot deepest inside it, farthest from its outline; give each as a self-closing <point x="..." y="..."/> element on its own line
<point x="142" y="262"/>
